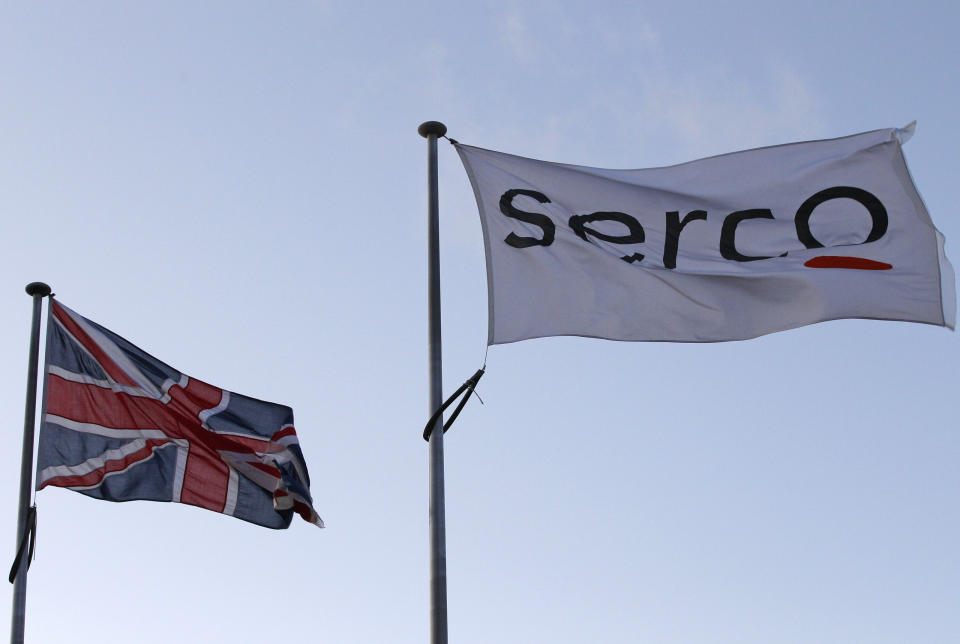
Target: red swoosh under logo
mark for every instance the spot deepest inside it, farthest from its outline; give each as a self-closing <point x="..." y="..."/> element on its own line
<point x="859" y="263"/>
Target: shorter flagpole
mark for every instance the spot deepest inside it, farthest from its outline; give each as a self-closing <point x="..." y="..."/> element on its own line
<point x="38" y="291"/>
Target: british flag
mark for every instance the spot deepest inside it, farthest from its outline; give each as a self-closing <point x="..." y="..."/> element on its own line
<point x="120" y="425"/>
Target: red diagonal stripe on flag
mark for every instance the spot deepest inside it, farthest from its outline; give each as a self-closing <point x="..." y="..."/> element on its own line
<point x="96" y="476"/>
<point x="283" y="433"/>
<point x="106" y="362"/>
<point x="263" y="467"/>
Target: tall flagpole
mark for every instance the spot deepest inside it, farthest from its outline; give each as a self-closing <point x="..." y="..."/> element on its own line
<point x="438" y="531"/>
<point x="38" y="291"/>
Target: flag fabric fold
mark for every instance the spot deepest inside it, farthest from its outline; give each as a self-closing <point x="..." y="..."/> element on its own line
<point x="120" y="425"/>
<point x="724" y="248"/>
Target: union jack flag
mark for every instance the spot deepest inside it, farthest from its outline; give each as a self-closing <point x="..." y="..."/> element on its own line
<point x="120" y="425"/>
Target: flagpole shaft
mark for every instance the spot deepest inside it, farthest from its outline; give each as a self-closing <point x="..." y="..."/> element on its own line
<point x="438" y="546"/>
<point x="37" y="290"/>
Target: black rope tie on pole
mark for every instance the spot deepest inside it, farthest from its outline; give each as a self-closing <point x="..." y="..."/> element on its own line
<point x="466" y="389"/>
<point x="29" y="536"/>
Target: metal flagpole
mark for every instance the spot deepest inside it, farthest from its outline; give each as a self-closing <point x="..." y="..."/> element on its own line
<point x="438" y="538"/>
<point x="38" y="291"/>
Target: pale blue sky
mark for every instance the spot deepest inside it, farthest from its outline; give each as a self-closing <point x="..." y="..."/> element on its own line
<point x="239" y="189"/>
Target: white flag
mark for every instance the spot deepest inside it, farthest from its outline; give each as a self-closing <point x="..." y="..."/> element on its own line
<point x="725" y="248"/>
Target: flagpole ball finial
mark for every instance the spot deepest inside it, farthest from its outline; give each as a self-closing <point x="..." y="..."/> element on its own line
<point x="432" y="127"/>
<point x="38" y="288"/>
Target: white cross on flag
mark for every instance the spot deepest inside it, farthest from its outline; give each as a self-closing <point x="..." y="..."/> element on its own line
<point x="725" y="248"/>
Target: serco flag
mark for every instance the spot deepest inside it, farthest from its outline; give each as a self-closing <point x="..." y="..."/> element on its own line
<point x="725" y="248"/>
<point x="120" y="425"/>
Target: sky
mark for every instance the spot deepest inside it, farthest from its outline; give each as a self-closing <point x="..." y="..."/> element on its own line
<point x="239" y="189"/>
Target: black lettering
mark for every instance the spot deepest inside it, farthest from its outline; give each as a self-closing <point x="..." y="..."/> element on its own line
<point x="635" y="236"/>
<point x="674" y="226"/>
<point x="533" y="218"/>
<point x="873" y="205"/>
<point x="728" y="234"/>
